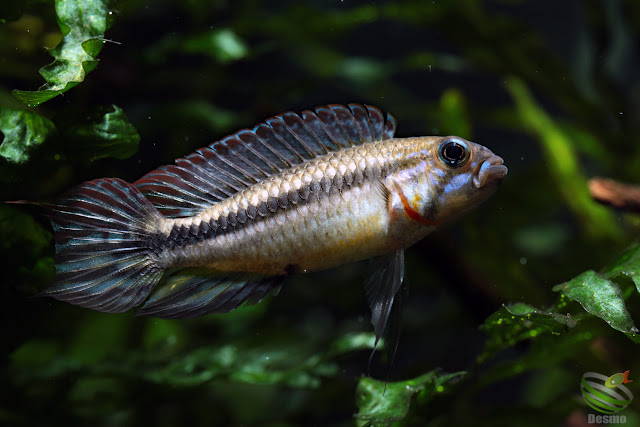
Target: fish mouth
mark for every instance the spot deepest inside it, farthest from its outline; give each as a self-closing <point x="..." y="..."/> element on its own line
<point x="491" y="171"/>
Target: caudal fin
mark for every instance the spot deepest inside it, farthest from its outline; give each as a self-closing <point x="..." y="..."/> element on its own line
<point x="105" y="259"/>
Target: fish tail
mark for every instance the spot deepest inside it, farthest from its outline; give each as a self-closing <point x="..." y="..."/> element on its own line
<point x="105" y="254"/>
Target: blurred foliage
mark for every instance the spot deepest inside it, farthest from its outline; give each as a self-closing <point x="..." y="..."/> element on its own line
<point x="556" y="95"/>
<point x="103" y="132"/>
<point x="563" y="163"/>
<point x="106" y="132"/>
<point x="22" y="131"/>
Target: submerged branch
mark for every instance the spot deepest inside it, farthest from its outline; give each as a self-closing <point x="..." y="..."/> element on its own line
<point x="617" y="194"/>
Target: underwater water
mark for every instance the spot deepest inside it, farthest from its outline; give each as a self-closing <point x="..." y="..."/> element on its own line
<point x="508" y="307"/>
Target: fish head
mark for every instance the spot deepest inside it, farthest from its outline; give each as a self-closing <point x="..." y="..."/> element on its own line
<point x="464" y="174"/>
<point x="442" y="179"/>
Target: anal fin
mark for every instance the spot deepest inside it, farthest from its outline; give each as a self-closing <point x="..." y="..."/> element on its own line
<point x="193" y="292"/>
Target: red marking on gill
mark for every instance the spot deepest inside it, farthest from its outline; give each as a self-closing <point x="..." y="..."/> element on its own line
<point x="412" y="213"/>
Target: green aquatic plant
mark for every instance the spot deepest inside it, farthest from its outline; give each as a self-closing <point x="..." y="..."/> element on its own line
<point x="83" y="24"/>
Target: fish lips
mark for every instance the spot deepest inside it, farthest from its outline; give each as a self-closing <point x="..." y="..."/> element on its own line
<point x="491" y="171"/>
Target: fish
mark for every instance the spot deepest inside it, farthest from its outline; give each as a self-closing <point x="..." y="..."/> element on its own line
<point x="225" y="225"/>
<point x="617" y="379"/>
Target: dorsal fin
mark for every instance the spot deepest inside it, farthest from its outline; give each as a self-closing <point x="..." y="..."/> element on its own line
<point x="226" y="167"/>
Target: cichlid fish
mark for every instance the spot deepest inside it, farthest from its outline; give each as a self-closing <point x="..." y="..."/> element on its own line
<point x="297" y="193"/>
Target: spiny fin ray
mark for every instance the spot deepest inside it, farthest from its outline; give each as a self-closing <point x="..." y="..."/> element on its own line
<point x="238" y="161"/>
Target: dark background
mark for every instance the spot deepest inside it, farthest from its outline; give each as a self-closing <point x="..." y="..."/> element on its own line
<point x="187" y="73"/>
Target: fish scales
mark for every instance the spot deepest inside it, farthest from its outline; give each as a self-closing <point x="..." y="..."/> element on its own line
<point x="342" y="221"/>
<point x="300" y="192"/>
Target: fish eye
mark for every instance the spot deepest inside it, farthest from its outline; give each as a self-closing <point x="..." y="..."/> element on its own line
<point x="454" y="152"/>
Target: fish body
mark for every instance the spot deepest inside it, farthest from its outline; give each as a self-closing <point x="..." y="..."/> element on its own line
<point x="224" y="225"/>
<point x="338" y="208"/>
<point x="617" y="379"/>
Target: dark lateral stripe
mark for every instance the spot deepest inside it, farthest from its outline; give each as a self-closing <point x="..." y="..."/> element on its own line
<point x="182" y="236"/>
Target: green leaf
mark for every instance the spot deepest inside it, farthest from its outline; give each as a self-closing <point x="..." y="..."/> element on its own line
<point x="83" y="24"/>
<point x="90" y="347"/>
<point x="34" y="353"/>
<point x="628" y="265"/>
<point x="224" y="45"/>
<point x="383" y="403"/>
<point x="262" y="368"/>
<point x="196" y="367"/>
<point x="23" y="130"/>
<point x="518" y="322"/>
<point x="20" y="232"/>
<point x="545" y="351"/>
<point x="106" y="133"/>
<point x="289" y="364"/>
<point x="163" y="336"/>
<point x="600" y="297"/>
<point x="25" y="245"/>
<point x="353" y="342"/>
